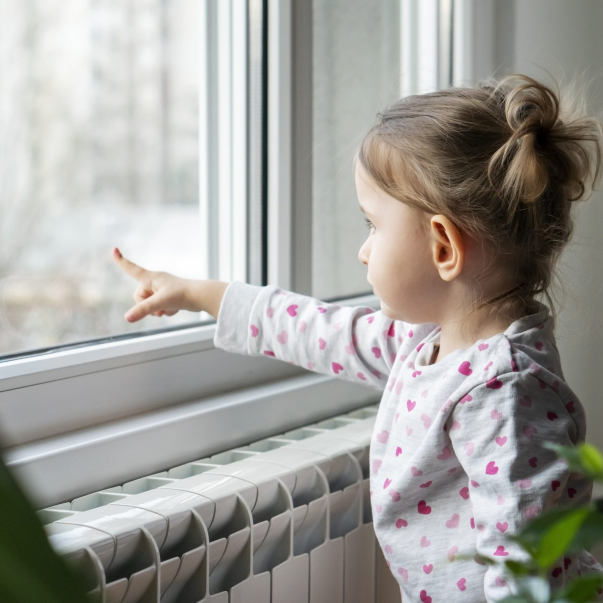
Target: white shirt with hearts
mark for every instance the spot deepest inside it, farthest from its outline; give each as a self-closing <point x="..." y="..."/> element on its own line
<point x="456" y="461"/>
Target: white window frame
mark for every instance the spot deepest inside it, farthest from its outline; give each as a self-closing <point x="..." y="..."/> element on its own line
<point x="80" y="419"/>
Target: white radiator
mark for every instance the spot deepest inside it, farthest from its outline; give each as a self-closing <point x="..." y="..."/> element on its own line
<point x="283" y="520"/>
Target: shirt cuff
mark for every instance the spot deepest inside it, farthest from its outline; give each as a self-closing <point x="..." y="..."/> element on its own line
<point x="233" y="316"/>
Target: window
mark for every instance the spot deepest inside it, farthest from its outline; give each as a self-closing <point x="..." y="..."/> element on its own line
<point x="215" y="137"/>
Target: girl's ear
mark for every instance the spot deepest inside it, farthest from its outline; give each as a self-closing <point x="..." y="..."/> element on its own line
<point x="448" y="250"/>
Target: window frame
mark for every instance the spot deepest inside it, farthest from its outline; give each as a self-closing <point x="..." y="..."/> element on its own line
<point x="115" y="399"/>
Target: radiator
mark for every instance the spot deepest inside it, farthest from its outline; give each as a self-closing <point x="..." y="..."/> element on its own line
<point x="284" y="520"/>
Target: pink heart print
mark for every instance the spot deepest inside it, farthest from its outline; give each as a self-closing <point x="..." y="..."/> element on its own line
<point x="370" y="319"/>
<point x="500" y="551"/>
<point x="502" y="526"/>
<point x="538" y="345"/>
<point x="398" y="451"/>
<point x="254" y="331"/>
<point x="455" y="425"/>
<point x="423" y="508"/>
<point x="395" y="495"/>
<point x="425" y="598"/>
<point x="466" y="398"/>
<point x="350" y="349"/>
<point x="292" y="310"/>
<point x="376" y="465"/>
<point x="408" y="430"/>
<point x="337" y="326"/>
<point x="464" y="368"/>
<point x="494" y="383"/>
<point x="416" y="373"/>
<point x="321" y="310"/>
<point x="427" y="569"/>
<point x="529" y="431"/>
<point x="361" y="376"/>
<point x="282" y="337"/>
<point x="322" y="344"/>
<point x="336" y="367"/>
<point x="491" y="468"/>
<point x="501" y="441"/>
<point x="500" y="500"/>
<point x="401" y="523"/>
<point x="388" y="549"/>
<point x="555" y="484"/>
<point x="533" y="462"/>
<point x="404" y="573"/>
<point x="453" y="522"/>
<point x="499" y="581"/>
<point x="469" y="447"/>
<point x="426" y="484"/>
<point x="495" y="415"/>
<point x="526" y="401"/>
<point x="446" y="453"/>
<point x="551" y="416"/>
<point x="302" y="326"/>
<point x="425" y="542"/>
<point x="462" y="584"/>
<point x="376" y="351"/>
<point x="410" y="405"/>
<point x="524" y="483"/>
<point x="379" y="508"/>
<point x="532" y="511"/>
<point x="270" y="312"/>
<point x="387" y="482"/>
<point x="397" y="415"/>
<point x="451" y="552"/>
<point x="488" y="365"/>
<point x="426" y="421"/>
<point x="399" y="386"/>
<point x="482" y="346"/>
<point x="416" y="472"/>
<point x="382" y="437"/>
<point x="464" y="492"/>
<point x="556" y="572"/>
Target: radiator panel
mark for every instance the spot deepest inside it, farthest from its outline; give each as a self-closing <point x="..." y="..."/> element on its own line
<point x="285" y="519"/>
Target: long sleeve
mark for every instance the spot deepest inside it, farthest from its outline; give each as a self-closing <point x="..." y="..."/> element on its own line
<point x="354" y="343"/>
<point x="497" y="430"/>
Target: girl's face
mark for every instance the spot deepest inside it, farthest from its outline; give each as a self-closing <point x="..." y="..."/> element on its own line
<point x="398" y="255"/>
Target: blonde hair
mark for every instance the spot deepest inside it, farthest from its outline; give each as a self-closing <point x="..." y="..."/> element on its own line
<point x="504" y="161"/>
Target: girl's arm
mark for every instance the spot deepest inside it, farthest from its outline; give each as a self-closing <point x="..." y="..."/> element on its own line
<point x="354" y="343"/>
<point x="512" y="477"/>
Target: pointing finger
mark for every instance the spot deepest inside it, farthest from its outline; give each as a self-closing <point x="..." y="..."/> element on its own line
<point x="127" y="266"/>
<point x="148" y="306"/>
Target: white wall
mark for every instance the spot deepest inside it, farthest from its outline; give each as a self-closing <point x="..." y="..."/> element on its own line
<point x="564" y="37"/>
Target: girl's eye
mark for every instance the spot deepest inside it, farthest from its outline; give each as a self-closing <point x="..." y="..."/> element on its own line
<point x="369" y="223"/>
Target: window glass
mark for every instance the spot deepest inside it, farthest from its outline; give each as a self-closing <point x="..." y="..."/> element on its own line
<point x="356" y="72"/>
<point x="366" y="54"/>
<point x="98" y="148"/>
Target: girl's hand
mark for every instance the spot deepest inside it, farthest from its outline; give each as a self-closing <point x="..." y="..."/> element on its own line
<point x="158" y="293"/>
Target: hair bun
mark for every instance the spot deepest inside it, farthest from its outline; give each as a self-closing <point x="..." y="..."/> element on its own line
<point x="545" y="143"/>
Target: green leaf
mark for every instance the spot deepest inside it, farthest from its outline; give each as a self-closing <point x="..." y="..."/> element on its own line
<point x="30" y="570"/>
<point x="536" y="588"/>
<point x="583" y="589"/>
<point x="519" y="569"/>
<point x="536" y="529"/>
<point x="583" y="458"/>
<point x="591" y="459"/>
<point x="558" y="537"/>
<point x="590" y="533"/>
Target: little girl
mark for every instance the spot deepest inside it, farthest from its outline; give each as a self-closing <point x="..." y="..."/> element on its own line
<point x="467" y="192"/>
